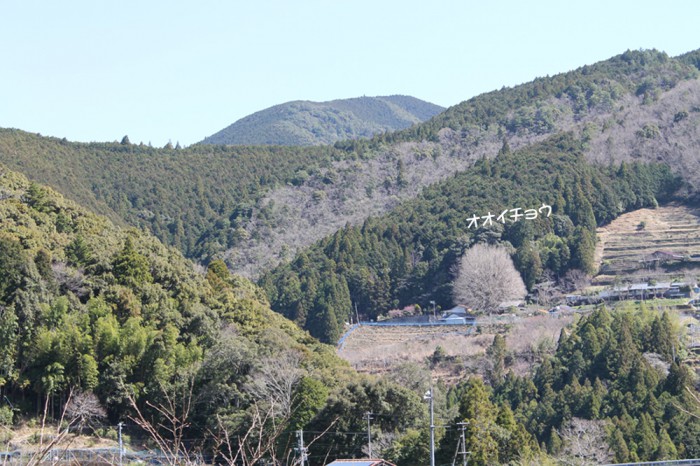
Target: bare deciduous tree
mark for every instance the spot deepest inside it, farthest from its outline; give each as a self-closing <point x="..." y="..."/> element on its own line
<point x="85" y="410"/>
<point x="168" y="432"/>
<point x="259" y="441"/>
<point x="62" y="431"/>
<point x="576" y="279"/>
<point x="584" y="442"/>
<point x="486" y="277"/>
<point x="274" y="381"/>
<point x="547" y="290"/>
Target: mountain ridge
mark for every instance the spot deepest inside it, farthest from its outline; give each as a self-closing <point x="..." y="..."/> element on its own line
<point x="640" y="105"/>
<point x="303" y="122"/>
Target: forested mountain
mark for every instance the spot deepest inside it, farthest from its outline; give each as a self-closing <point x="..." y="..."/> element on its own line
<point x="305" y="123"/>
<point x="91" y="311"/>
<point x="613" y="392"/>
<point x="639" y="106"/>
<point x="88" y="308"/>
<point x="195" y="199"/>
<point x="407" y="256"/>
<point x="257" y="206"/>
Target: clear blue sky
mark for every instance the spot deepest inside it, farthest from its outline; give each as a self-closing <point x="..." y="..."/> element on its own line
<point x="157" y="70"/>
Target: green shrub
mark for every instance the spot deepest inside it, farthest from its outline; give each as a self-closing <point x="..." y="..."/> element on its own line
<point x="6" y="416"/>
<point x="110" y="433"/>
<point x="680" y="116"/>
<point x="649" y="131"/>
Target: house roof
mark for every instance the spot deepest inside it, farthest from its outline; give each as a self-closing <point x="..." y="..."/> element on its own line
<point x="363" y="462"/>
<point x="453" y="317"/>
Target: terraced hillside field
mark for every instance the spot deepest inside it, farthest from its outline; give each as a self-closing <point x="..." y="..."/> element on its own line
<point x="661" y="244"/>
<point x="380" y="349"/>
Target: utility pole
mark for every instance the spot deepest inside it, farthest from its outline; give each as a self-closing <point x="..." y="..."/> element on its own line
<point x="303" y="453"/>
<point x="429" y="396"/>
<point x="433" y="304"/>
<point x="121" y="444"/>
<point x="369" y="434"/>
<point x="463" y="442"/>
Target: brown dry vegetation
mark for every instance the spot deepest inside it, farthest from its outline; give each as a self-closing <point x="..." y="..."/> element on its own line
<point x="380" y="349"/>
<point x="25" y="438"/>
<point x="623" y="243"/>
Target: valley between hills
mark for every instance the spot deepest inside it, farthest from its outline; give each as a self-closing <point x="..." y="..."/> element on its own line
<point x="188" y="301"/>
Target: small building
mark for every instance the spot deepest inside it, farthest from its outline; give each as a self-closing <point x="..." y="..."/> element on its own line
<point x="457" y="315"/>
<point x="580" y="300"/>
<point x="679" y="290"/>
<point x="457" y="310"/>
<point x="648" y="291"/>
<point x="361" y="462"/>
<point x="453" y="319"/>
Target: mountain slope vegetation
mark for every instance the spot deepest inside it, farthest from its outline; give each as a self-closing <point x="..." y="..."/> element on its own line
<point x="87" y="307"/>
<point x="93" y="307"/>
<point x="407" y="256"/>
<point x="640" y="106"/>
<point x="178" y="194"/>
<point x="255" y="207"/>
<point x="305" y="123"/>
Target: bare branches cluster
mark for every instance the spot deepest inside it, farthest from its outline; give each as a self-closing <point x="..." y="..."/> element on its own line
<point x="486" y="277"/>
<point x="85" y="410"/>
<point x="584" y="442"/>
<point x="274" y="381"/>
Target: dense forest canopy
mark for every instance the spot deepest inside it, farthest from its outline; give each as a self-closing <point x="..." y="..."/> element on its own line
<point x="193" y="198"/>
<point x="614" y="391"/>
<point x="645" y="73"/>
<point x="88" y="307"/>
<point x="92" y="307"/>
<point x="305" y="123"/>
<point x="211" y="201"/>
<point x="407" y="256"/>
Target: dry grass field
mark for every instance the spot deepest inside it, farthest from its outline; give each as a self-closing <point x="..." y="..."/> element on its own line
<point x="379" y="349"/>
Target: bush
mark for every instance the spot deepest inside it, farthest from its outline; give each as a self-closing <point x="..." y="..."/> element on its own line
<point x="439" y="355"/>
<point x="649" y="131"/>
<point x="5" y="436"/>
<point x="6" y="416"/>
<point x="34" y="438"/>
<point x="680" y="116"/>
<point x="110" y="433"/>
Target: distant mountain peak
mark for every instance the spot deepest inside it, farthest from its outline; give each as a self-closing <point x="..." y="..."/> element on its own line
<point x="307" y="123"/>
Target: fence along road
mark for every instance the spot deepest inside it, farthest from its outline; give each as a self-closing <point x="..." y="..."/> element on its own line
<point x="694" y="462"/>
